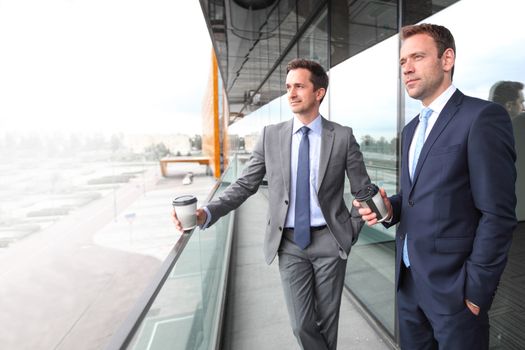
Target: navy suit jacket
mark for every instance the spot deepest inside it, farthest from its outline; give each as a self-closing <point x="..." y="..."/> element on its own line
<point x="459" y="210"/>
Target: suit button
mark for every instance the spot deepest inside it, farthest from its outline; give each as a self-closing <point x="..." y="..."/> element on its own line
<point x="411" y="203"/>
<point x="286" y="201"/>
<point x="402" y="236"/>
<point x="280" y="228"/>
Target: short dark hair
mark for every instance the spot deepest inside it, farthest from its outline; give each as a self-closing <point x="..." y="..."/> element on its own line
<point x="318" y="75"/>
<point x="442" y="36"/>
<point x="505" y="91"/>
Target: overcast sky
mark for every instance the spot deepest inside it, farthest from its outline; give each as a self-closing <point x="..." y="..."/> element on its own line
<point x="103" y="65"/>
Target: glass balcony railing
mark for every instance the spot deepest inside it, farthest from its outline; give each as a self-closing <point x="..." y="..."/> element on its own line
<point x="183" y="307"/>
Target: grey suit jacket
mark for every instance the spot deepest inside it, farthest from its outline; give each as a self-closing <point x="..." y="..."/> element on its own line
<point x="340" y="155"/>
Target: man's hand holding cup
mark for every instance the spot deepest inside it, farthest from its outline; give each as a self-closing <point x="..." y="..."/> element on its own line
<point x="373" y="205"/>
<point x="185" y="213"/>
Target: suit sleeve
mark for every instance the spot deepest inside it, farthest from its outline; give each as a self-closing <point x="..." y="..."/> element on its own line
<point x="395" y="201"/>
<point x="358" y="177"/>
<point x="492" y="173"/>
<point x="245" y="186"/>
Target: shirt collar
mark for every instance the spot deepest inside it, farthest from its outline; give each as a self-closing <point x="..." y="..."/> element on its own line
<point x="439" y="103"/>
<point x="315" y="126"/>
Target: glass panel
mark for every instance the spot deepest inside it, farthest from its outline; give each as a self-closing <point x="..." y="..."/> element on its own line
<point x="248" y="130"/>
<point x="184" y="313"/>
<point x="305" y="9"/>
<point x="479" y="67"/>
<point x="257" y="34"/>
<point x="359" y="24"/>
<point x="416" y="10"/>
<point x="214" y="11"/>
<point x="278" y="89"/>
<point x="314" y="43"/>
<point x="273" y="38"/>
<point x="356" y="101"/>
<point x="247" y="56"/>
<point x="289" y="25"/>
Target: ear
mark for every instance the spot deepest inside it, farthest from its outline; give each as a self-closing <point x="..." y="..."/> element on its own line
<point x="448" y="59"/>
<point x="320" y="93"/>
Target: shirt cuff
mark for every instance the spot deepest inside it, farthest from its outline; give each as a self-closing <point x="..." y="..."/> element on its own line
<point x="471" y="303"/>
<point x="208" y="219"/>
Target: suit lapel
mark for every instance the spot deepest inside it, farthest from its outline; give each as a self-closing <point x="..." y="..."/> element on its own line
<point x="285" y="150"/>
<point x="407" y="140"/>
<point x="327" y="142"/>
<point x="442" y="121"/>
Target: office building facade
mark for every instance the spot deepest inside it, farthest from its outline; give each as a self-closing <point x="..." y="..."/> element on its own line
<point x="357" y="41"/>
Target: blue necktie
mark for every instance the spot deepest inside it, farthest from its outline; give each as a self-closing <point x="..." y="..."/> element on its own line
<point x="420" y="141"/>
<point x="302" y="193"/>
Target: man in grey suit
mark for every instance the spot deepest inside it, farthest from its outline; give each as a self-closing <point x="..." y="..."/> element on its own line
<point x="310" y="227"/>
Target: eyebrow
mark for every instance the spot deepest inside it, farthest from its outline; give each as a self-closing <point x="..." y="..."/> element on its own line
<point x="294" y="84"/>
<point x="412" y="55"/>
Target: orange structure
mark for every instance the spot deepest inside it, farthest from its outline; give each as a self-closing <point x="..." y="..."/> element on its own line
<point x="211" y="133"/>
<point x="214" y="128"/>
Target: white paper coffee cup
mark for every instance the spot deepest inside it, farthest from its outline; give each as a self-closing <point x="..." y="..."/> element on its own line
<point x="185" y="207"/>
<point x="370" y="197"/>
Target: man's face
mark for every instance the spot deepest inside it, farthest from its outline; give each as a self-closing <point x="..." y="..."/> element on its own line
<point x="302" y="98"/>
<point x="424" y="74"/>
<point x="515" y="107"/>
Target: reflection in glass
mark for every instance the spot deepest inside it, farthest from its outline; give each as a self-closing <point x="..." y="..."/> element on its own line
<point x="362" y="97"/>
<point x="417" y="10"/>
<point x="314" y="43"/>
<point x="358" y="25"/>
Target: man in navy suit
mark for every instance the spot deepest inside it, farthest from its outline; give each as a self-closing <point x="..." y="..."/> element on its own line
<point x="456" y="205"/>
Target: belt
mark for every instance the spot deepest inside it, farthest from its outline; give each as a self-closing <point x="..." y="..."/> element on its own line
<point x="312" y="228"/>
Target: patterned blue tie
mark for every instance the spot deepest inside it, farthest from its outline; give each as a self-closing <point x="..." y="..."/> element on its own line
<point x="420" y="141"/>
<point x="302" y="193"/>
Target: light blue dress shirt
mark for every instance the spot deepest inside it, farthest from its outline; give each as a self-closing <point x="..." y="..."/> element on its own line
<point x="314" y="137"/>
<point x="436" y="106"/>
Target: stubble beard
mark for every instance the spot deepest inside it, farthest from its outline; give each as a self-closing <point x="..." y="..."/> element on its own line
<point x="303" y="109"/>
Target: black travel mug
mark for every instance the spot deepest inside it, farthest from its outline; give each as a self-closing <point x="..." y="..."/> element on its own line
<point x="370" y="197"/>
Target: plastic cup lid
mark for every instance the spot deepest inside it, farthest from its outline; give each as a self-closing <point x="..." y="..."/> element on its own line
<point x="184" y="200"/>
<point x="366" y="192"/>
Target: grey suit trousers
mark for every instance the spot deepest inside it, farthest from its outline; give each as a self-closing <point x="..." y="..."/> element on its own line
<point x="313" y="281"/>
